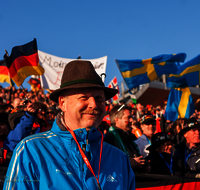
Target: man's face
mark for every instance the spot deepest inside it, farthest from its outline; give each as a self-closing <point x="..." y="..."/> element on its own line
<point x="193" y="136"/>
<point x="139" y="107"/>
<point x="149" y="128"/>
<point x="125" y="122"/>
<point x="50" y="116"/>
<point x="83" y="108"/>
<point x="16" y="102"/>
<point x="166" y="147"/>
<point x="16" y="95"/>
<point x="41" y="114"/>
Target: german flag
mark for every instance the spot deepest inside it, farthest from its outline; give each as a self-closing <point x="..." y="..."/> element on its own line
<point x="35" y="84"/>
<point x="4" y="73"/>
<point x="23" y="62"/>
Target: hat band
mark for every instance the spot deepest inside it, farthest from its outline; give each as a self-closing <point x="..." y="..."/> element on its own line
<point x="81" y="81"/>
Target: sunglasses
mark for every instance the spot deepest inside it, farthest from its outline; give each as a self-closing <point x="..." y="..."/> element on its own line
<point x="150" y="123"/>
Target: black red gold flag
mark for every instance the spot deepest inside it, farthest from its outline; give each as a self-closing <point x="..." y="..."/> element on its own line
<point x="4" y="74"/>
<point x="23" y="62"/>
<point x="35" y="84"/>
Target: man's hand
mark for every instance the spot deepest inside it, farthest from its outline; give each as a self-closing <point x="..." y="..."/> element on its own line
<point x="140" y="161"/>
<point x="197" y="176"/>
<point x="31" y="108"/>
<point x="148" y="168"/>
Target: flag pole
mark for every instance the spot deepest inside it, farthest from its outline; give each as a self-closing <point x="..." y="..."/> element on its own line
<point x="44" y="94"/>
<point x="22" y="87"/>
<point x="6" y="52"/>
<point x="7" y="66"/>
<point x="38" y="77"/>
<point x="8" y="74"/>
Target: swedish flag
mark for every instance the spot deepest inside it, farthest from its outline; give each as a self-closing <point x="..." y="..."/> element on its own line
<point x="186" y="75"/>
<point x="180" y="104"/>
<point x="137" y="72"/>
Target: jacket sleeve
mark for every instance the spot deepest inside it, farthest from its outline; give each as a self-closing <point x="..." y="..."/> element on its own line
<point x="179" y="166"/>
<point x="21" y="173"/>
<point x="180" y="169"/>
<point x="131" y="185"/>
<point x="139" y="144"/>
<point x="133" y="163"/>
<point x="22" y="130"/>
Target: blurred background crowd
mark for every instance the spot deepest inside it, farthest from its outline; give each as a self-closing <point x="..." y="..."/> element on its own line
<point x="24" y="112"/>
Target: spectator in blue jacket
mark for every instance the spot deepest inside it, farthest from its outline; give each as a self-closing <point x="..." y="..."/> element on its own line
<point x="72" y="155"/>
<point x="20" y="129"/>
<point x="13" y="128"/>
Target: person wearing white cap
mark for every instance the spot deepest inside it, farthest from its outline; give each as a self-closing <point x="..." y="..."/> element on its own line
<point x="148" y="126"/>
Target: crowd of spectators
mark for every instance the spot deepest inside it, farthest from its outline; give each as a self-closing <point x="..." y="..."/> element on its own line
<point x="24" y="112"/>
<point x="171" y="150"/>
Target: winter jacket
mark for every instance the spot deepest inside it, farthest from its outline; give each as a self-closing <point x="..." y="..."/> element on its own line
<point x="21" y="130"/>
<point x="143" y="144"/>
<point x="52" y="160"/>
<point x="184" y="160"/>
<point x="131" y="146"/>
<point x="159" y="163"/>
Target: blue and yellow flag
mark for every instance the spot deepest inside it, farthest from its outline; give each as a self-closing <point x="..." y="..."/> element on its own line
<point x="136" y="72"/>
<point x="180" y="104"/>
<point x="187" y="74"/>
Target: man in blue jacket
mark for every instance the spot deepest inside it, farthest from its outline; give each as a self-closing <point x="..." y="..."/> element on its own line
<point x="72" y="155"/>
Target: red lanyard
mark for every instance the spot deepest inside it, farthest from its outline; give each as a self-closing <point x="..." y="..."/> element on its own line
<point x="85" y="158"/>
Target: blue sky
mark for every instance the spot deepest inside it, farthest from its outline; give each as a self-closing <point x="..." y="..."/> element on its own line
<point x="131" y="29"/>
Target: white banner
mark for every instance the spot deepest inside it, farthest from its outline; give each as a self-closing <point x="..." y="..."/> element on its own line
<point x="54" y="67"/>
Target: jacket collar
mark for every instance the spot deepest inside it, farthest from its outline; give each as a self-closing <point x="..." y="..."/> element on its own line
<point x="143" y="137"/>
<point x="126" y="135"/>
<point x="81" y="134"/>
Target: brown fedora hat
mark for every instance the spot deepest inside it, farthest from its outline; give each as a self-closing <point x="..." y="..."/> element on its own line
<point x="81" y="74"/>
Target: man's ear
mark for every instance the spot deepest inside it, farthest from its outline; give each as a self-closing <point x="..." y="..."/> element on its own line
<point x="116" y="120"/>
<point x="62" y="103"/>
<point x="142" y="127"/>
